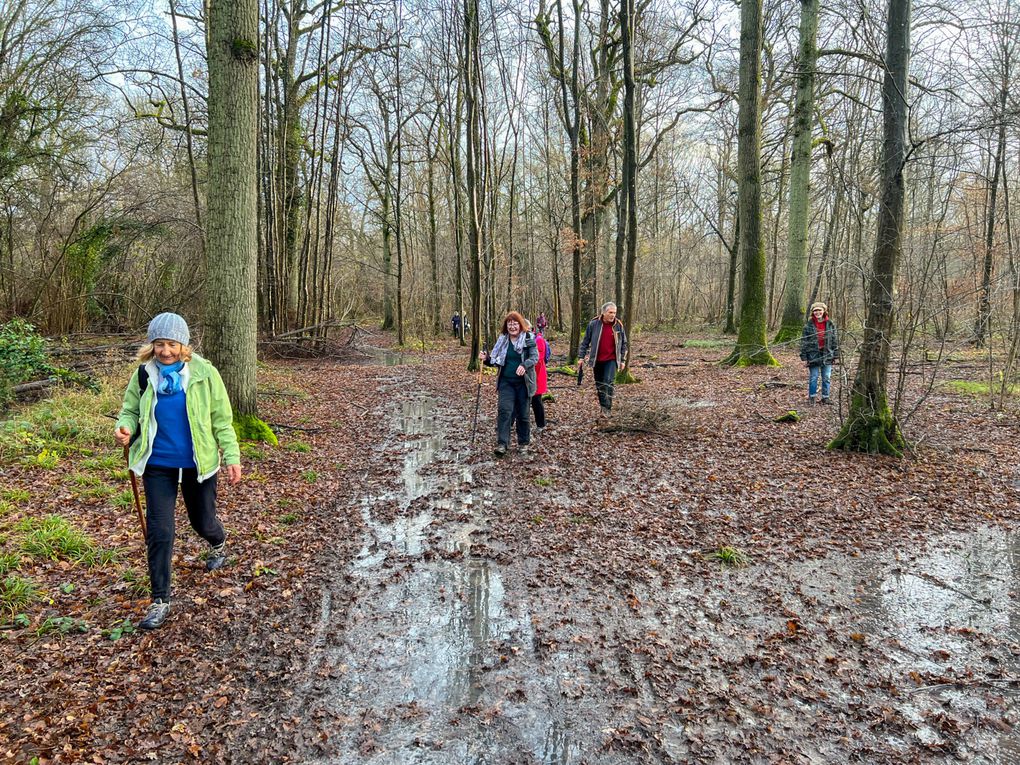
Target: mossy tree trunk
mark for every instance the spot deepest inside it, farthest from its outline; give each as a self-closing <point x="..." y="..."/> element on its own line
<point x="230" y="337"/>
<point x="752" y="345"/>
<point x="870" y="425"/>
<point x="800" y="177"/>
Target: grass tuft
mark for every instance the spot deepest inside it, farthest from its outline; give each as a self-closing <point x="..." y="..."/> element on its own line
<point x="977" y="388"/>
<point x="16" y="593"/>
<point x="732" y="557"/>
<point x="9" y="562"/>
<point x="54" y="538"/>
<point x="15" y="496"/>
<point x="707" y="343"/>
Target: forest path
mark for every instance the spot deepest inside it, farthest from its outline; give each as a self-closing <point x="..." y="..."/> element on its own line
<point x="492" y="617"/>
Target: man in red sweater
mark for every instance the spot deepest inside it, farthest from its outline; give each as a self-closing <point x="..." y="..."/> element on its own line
<point x="605" y="345"/>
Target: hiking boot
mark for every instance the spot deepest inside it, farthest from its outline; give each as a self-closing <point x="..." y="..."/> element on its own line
<point x="539" y="430"/>
<point x="523" y="449"/>
<point x="826" y="400"/>
<point x="217" y="556"/>
<point x="156" y="615"/>
<point x="500" y="450"/>
<point x="606" y="413"/>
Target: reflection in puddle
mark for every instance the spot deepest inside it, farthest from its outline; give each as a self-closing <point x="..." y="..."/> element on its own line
<point x="934" y="603"/>
<point x="432" y="627"/>
<point x="936" y="614"/>
<point x="558" y="748"/>
<point x="938" y="603"/>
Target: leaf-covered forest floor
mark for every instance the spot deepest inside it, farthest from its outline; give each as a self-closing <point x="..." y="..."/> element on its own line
<point x="396" y="595"/>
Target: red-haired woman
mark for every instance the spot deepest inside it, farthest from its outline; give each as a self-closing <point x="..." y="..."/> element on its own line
<point x="515" y="354"/>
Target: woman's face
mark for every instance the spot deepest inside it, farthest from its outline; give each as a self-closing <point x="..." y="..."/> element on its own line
<point x="513" y="327"/>
<point x="167" y="351"/>
<point x="818" y="313"/>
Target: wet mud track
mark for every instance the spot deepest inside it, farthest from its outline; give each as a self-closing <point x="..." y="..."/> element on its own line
<point x="446" y="641"/>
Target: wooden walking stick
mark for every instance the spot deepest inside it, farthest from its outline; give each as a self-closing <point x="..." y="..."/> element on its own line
<point x="138" y="499"/>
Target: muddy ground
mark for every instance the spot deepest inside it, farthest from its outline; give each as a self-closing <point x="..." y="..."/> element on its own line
<point x="564" y="607"/>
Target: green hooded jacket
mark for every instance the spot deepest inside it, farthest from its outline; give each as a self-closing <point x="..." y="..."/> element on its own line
<point x="209" y="415"/>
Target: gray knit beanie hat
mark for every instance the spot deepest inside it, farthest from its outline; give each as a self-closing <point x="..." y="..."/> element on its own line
<point x="169" y="326"/>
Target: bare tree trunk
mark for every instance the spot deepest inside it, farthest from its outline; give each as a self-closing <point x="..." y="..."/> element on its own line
<point x="752" y="345"/>
<point x="731" y="281"/>
<point x="472" y="73"/>
<point x="630" y="165"/>
<point x="981" y="326"/>
<point x="870" y="425"/>
<point x="230" y="336"/>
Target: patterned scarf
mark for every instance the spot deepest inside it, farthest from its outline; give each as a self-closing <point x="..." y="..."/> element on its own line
<point x="169" y="377"/>
<point x="498" y="355"/>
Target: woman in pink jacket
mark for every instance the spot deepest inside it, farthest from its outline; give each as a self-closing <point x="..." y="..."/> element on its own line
<point x="542" y="387"/>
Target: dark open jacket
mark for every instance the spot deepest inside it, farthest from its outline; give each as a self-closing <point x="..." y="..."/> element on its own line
<point x="590" y="344"/>
<point x="809" y="350"/>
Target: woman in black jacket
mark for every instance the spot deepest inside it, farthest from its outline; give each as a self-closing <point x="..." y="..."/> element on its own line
<point x="516" y="355"/>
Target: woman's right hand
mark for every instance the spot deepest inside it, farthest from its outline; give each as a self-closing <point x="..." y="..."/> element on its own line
<point x="481" y="355"/>
<point x="122" y="436"/>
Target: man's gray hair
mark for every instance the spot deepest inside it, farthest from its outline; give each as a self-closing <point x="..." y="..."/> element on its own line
<point x="607" y="306"/>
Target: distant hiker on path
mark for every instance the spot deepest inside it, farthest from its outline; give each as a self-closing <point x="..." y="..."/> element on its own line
<point x="541" y="323"/>
<point x="819" y="348"/>
<point x="516" y="355"/>
<point x="176" y="417"/>
<point x="456" y="324"/>
<point x="605" y="344"/>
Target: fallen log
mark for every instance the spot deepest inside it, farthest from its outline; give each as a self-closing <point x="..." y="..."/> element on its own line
<point x="29" y="387"/>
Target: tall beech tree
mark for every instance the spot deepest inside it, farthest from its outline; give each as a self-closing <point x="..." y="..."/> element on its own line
<point x="870" y="425"/>
<point x="800" y="176"/>
<point x="752" y="345"/>
<point x="230" y="336"/>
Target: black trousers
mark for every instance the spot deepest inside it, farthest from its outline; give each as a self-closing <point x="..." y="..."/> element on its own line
<point x="513" y="407"/>
<point x="160" y="501"/>
<point x="539" y="409"/>
<point x="605" y="379"/>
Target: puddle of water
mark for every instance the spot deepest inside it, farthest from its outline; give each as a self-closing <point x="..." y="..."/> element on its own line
<point x="390" y="358"/>
<point x="933" y="604"/>
<point x="426" y="637"/>
<point x="941" y="614"/>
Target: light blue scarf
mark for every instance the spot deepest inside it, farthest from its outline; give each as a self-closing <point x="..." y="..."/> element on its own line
<point x="169" y="377"/>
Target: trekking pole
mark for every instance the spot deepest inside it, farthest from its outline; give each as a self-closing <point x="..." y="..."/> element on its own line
<point x="478" y="398"/>
<point x="138" y="499"/>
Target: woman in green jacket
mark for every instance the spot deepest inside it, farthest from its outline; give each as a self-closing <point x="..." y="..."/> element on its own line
<point x="176" y="417"/>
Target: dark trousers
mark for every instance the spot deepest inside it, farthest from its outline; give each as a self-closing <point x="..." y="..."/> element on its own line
<point x="605" y="377"/>
<point x="160" y="500"/>
<point x="538" y="407"/>
<point x="513" y="405"/>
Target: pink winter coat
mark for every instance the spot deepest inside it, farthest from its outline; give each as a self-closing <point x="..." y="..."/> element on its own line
<point x="540" y="374"/>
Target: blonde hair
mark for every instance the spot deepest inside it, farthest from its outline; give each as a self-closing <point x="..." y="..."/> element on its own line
<point x="146" y="353"/>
